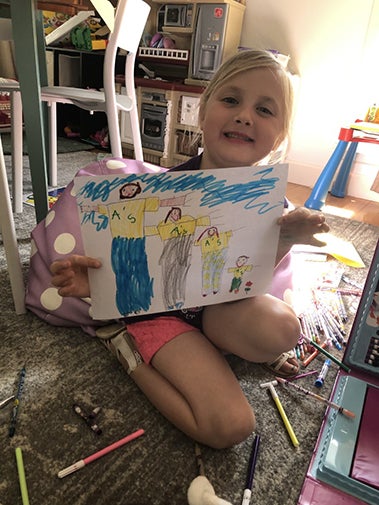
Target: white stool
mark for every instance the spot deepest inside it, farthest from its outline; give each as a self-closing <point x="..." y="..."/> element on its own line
<point x="8" y="232"/>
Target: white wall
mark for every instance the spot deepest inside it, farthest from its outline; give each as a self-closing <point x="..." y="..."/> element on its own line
<point x="332" y="44"/>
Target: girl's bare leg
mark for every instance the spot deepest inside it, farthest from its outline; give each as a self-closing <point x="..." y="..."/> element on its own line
<point x="192" y="385"/>
<point x="257" y="329"/>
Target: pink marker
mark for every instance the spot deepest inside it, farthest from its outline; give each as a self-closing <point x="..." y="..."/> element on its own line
<point x="300" y="376"/>
<point x="83" y="462"/>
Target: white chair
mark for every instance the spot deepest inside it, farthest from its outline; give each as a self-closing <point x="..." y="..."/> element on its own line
<point x="126" y="25"/>
<point x="13" y="88"/>
<point x="8" y="232"/>
<point x="129" y="22"/>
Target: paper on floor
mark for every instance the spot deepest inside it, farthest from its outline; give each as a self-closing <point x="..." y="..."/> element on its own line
<point x="340" y="249"/>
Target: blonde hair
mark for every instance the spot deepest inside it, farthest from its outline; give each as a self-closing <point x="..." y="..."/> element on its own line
<point x="248" y="60"/>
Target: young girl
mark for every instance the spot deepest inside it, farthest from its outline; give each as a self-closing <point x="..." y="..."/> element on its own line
<point x="177" y="358"/>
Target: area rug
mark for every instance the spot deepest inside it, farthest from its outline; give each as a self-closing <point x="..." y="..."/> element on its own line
<point x="64" y="145"/>
<point x="64" y="366"/>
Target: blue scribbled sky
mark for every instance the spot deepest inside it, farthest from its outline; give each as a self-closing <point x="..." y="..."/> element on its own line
<point x="214" y="190"/>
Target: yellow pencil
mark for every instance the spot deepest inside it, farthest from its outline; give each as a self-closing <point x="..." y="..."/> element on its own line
<point x="283" y="415"/>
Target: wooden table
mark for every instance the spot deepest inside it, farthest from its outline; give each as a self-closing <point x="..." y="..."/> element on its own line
<point x="28" y="37"/>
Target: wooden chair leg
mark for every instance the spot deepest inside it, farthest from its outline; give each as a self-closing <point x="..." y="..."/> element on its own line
<point x="27" y="25"/>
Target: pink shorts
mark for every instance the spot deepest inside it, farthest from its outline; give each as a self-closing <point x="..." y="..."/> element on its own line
<point x="152" y="334"/>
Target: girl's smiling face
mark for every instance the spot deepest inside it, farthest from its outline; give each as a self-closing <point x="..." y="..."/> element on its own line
<point x="242" y="121"/>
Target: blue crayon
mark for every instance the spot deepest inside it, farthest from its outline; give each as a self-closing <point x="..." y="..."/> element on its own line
<point x="319" y="382"/>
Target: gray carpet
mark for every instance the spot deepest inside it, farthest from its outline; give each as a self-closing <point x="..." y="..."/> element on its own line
<point x="64" y="145"/>
<point x="64" y="366"/>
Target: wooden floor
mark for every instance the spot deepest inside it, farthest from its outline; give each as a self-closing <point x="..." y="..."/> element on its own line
<point x="365" y="211"/>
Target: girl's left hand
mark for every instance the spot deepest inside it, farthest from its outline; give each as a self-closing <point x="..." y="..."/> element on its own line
<point x="299" y="227"/>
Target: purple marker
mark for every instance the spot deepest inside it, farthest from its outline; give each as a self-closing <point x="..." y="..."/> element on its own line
<point x="251" y="470"/>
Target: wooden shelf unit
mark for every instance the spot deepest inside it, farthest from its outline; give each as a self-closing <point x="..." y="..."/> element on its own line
<point x="181" y="126"/>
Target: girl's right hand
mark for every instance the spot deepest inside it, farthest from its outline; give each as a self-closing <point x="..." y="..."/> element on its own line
<point x="70" y="275"/>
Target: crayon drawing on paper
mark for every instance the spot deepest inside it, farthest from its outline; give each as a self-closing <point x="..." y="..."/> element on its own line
<point x="176" y="240"/>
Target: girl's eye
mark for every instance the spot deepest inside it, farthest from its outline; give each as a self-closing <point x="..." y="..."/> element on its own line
<point x="265" y="111"/>
<point x="229" y="99"/>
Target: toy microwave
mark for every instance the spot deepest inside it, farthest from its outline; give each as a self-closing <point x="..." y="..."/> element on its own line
<point x="179" y="15"/>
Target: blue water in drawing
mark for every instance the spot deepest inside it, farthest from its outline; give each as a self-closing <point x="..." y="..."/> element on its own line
<point x="215" y="191"/>
<point x="134" y="285"/>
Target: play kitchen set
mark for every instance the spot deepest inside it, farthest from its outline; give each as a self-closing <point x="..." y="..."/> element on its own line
<point x="189" y="41"/>
<point x="344" y="466"/>
<point x="199" y="34"/>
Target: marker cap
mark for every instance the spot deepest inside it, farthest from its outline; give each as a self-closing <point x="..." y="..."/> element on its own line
<point x="319" y="382"/>
<point x="71" y="469"/>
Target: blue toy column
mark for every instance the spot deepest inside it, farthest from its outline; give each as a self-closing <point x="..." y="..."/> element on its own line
<point x="320" y="190"/>
<point x="340" y="184"/>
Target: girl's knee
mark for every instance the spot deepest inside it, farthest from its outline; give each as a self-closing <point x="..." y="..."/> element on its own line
<point x="289" y="330"/>
<point x="230" y="428"/>
<point x="278" y="320"/>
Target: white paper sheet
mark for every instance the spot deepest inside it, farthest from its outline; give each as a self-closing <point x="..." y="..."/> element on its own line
<point x="219" y="245"/>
